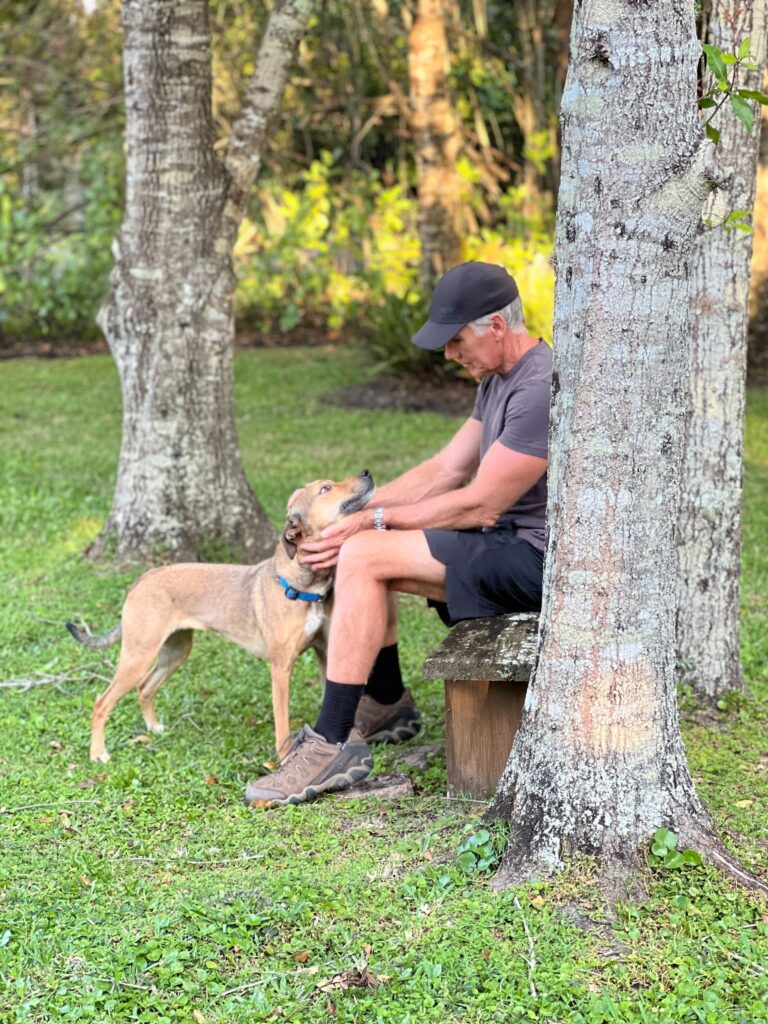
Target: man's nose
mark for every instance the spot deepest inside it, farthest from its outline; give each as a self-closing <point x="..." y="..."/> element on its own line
<point x="450" y="350"/>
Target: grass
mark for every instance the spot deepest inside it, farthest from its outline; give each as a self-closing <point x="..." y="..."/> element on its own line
<point x="144" y="890"/>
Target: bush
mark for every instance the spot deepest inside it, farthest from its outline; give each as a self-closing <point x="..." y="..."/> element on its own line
<point x="343" y="251"/>
<point x="55" y="277"/>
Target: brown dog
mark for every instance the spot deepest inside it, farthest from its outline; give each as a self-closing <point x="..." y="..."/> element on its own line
<point x="249" y="604"/>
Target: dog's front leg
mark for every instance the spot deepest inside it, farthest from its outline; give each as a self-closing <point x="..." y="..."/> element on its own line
<point x="281" y="684"/>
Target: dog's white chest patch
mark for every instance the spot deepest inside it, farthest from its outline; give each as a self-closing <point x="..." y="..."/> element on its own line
<point x="313" y="622"/>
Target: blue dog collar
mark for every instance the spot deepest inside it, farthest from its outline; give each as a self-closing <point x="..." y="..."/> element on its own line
<point x="298" y="595"/>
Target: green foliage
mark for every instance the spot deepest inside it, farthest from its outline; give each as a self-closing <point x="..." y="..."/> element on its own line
<point x="56" y="278"/>
<point x="342" y="249"/>
<point x="725" y="68"/>
<point x="477" y="854"/>
<point x="145" y="891"/>
<point x="315" y="254"/>
<point x="664" y="852"/>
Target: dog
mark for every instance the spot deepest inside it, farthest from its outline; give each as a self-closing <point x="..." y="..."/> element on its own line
<point x="275" y="610"/>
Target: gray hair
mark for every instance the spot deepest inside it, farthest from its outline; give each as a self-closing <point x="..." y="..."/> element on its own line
<point x="512" y="314"/>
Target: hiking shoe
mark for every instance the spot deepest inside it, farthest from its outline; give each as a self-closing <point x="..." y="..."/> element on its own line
<point x="313" y="766"/>
<point x="387" y="723"/>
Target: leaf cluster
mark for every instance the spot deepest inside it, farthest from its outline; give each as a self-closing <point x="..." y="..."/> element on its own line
<point x="664" y="853"/>
<point x="726" y="68"/>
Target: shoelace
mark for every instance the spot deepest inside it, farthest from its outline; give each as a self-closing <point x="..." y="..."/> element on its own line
<point x="288" y="768"/>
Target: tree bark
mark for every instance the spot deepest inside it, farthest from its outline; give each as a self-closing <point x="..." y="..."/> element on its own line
<point x="168" y="318"/>
<point x="709" y="520"/>
<point x="598" y="763"/>
<point x="437" y="140"/>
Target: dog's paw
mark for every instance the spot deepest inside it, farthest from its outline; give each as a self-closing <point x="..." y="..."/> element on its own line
<point x="157" y="727"/>
<point x="103" y="757"/>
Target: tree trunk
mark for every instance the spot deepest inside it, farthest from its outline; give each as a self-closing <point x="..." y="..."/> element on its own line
<point x="168" y="318"/>
<point x="437" y="142"/>
<point x="534" y="101"/>
<point x="758" y="298"/>
<point x="709" y="521"/>
<point x="598" y="763"/>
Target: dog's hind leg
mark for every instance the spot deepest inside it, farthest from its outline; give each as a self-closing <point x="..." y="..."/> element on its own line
<point x="171" y="656"/>
<point x="132" y="668"/>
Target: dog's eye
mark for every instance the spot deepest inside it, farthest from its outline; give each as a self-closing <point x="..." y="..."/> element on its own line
<point x="324" y="488"/>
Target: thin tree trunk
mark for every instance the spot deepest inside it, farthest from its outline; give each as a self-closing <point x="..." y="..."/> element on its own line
<point x="598" y="763"/>
<point x="532" y="102"/>
<point x="758" y="298"/>
<point x="709" y="521"/>
<point x="437" y="141"/>
<point x="168" y="318"/>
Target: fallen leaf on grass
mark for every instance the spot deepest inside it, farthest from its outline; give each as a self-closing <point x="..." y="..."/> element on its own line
<point x="211" y="780"/>
<point x="263" y="805"/>
<point x="87" y="783"/>
<point x="85" y="880"/>
<point x="271" y="766"/>
<point x="141" y="738"/>
<point x="330" y="1009"/>
<point x="353" y="977"/>
<point x="486" y="954"/>
<point x="301" y="957"/>
<point x="536" y="901"/>
<point x="56" y="744"/>
<point x="744" y="803"/>
<point x="198" y="1017"/>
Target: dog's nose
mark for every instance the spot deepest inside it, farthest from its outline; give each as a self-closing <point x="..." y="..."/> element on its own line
<point x="364" y="474"/>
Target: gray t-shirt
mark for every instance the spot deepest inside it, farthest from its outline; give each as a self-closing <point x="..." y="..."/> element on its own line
<point x="514" y="409"/>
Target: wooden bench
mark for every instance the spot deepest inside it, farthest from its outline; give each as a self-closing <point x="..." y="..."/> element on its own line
<point x="486" y="665"/>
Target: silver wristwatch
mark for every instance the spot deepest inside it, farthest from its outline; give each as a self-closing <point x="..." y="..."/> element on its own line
<point x="378" y="518"/>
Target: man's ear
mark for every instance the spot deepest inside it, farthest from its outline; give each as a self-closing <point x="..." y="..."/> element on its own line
<point x="294" y="530"/>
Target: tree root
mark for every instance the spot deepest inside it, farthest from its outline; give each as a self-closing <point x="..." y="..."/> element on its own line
<point x="621" y="878"/>
<point x="701" y="838"/>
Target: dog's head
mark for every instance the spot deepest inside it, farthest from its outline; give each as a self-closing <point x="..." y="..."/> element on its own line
<point x="322" y="503"/>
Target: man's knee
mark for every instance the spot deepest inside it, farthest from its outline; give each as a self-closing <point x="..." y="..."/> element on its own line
<point x="356" y="554"/>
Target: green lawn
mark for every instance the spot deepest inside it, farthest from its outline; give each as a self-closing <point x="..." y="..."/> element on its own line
<point x="144" y="890"/>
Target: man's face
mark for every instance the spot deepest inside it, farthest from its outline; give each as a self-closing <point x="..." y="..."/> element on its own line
<point x="478" y="352"/>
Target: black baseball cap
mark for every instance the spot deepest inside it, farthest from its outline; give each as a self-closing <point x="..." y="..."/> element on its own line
<point x="464" y="293"/>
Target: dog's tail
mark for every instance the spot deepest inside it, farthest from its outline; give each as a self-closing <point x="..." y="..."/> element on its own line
<point x="105" y="640"/>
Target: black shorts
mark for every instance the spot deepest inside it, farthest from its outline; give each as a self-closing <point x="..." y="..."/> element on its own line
<point x="487" y="573"/>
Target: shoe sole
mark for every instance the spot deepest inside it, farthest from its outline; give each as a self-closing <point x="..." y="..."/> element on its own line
<point x="395" y="735"/>
<point x="339" y="781"/>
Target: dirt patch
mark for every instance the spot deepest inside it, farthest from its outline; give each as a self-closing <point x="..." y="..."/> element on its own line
<point x="61" y="348"/>
<point x="446" y="398"/>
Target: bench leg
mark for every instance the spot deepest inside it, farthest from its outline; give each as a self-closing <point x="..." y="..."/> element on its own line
<point x="481" y="719"/>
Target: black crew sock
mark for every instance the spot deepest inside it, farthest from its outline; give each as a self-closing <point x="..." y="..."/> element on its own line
<point x="385" y="683"/>
<point x="337" y="715"/>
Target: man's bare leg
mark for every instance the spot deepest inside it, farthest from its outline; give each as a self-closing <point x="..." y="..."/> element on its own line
<point x="369" y="564"/>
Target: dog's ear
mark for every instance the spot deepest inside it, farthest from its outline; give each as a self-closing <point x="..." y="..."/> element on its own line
<point x="294" y="529"/>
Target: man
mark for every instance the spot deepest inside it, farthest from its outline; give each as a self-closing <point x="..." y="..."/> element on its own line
<point x="464" y="529"/>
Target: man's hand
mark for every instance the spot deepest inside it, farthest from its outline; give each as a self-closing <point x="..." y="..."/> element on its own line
<point x="324" y="553"/>
<point x="294" y="496"/>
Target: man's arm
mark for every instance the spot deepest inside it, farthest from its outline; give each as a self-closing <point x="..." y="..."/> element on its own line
<point x="452" y="467"/>
<point x="503" y="477"/>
